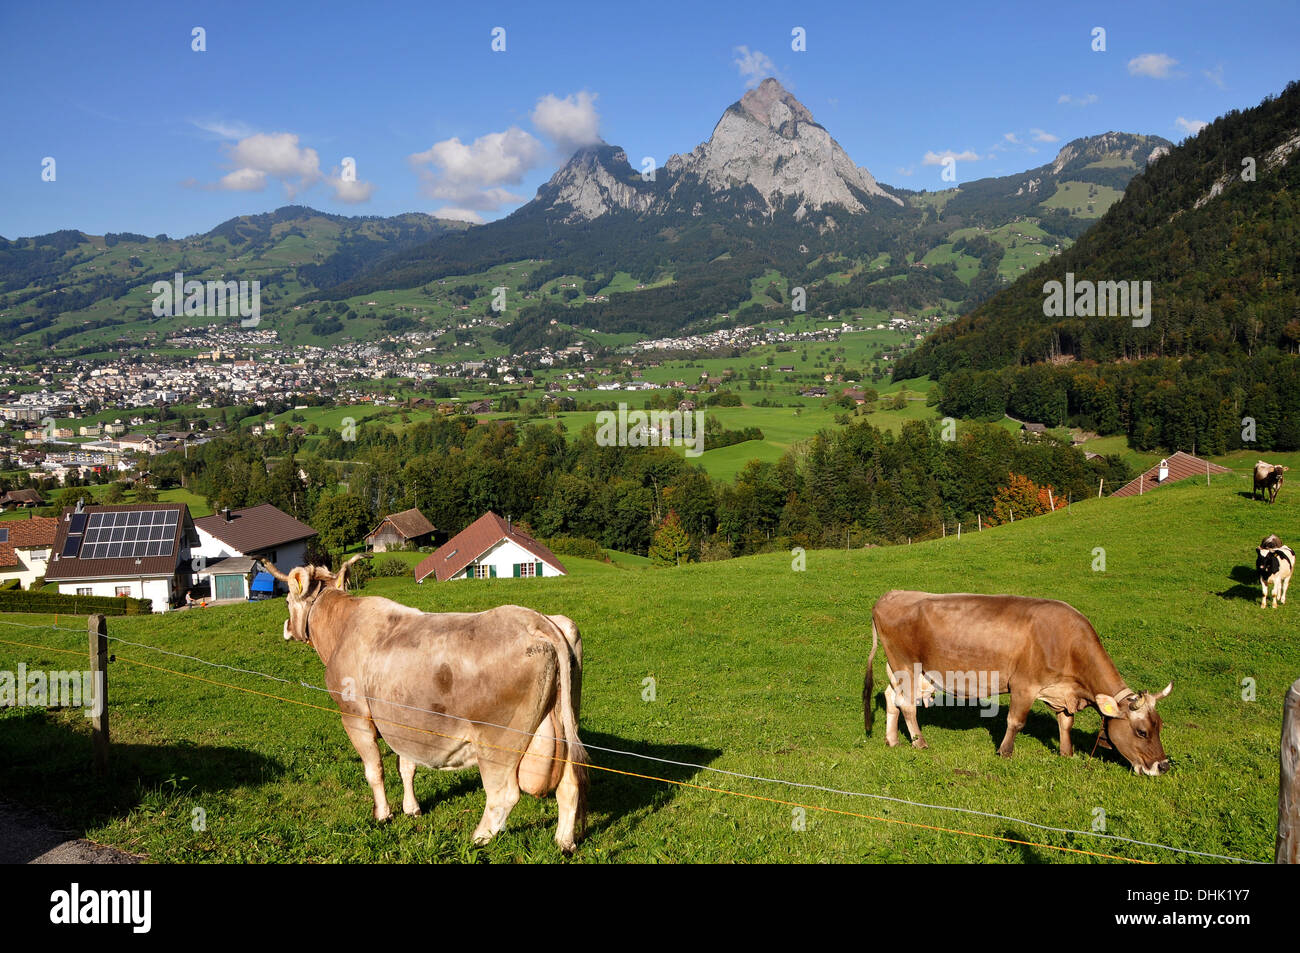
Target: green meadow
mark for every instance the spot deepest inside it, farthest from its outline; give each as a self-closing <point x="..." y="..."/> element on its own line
<point x="757" y="669"/>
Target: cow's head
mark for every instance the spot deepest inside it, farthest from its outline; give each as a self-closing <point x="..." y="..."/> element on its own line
<point x="1133" y="727"/>
<point x="305" y="585"/>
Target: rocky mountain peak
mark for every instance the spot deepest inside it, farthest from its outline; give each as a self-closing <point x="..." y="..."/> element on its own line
<point x="773" y="106"/>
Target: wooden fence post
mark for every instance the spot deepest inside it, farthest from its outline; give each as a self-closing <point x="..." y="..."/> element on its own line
<point x="1288" y="793"/>
<point x="97" y="627"/>
<point x="1100" y="484"/>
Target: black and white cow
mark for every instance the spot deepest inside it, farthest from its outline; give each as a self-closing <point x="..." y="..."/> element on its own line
<point x="1274" y="563"/>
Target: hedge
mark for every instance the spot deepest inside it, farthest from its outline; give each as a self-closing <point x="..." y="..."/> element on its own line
<point x="20" y="601"/>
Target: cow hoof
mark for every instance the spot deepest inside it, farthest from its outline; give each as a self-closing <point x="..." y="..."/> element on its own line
<point x="482" y="840"/>
<point x="381" y="818"/>
<point x="919" y="743"/>
<point x="891" y="743"/>
<point x="412" y="812"/>
<point x="1004" y="754"/>
<point x="567" y="849"/>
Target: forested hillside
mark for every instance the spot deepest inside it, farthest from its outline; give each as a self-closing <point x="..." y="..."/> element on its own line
<point x="1215" y="227"/>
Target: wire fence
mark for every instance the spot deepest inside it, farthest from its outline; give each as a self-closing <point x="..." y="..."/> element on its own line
<point x="721" y="772"/>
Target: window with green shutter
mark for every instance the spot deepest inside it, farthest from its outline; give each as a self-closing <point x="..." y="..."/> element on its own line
<point x="518" y="570"/>
<point x="537" y="568"/>
<point x="492" y="571"/>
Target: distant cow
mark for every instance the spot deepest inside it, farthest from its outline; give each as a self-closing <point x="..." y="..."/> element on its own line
<point x="1031" y="648"/>
<point x="1268" y="480"/>
<point x="1274" y="563"/>
<point x="495" y="689"/>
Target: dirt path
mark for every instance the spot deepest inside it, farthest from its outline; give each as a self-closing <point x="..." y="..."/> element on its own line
<point x="29" y="838"/>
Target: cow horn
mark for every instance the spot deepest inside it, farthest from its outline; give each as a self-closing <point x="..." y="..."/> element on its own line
<point x="271" y="568"/>
<point x="341" y="580"/>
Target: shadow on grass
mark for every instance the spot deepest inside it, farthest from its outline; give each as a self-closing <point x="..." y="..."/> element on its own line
<point x="48" y="767"/>
<point x="1040" y="725"/>
<point x="613" y="797"/>
<point x="1247" y="584"/>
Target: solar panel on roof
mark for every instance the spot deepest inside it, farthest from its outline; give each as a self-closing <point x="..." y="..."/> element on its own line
<point x="120" y="535"/>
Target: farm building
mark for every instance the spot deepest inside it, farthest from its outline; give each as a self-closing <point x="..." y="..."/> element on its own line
<point x="407" y="528"/>
<point x="489" y="548"/>
<point x="24" y="499"/>
<point x="1180" y="466"/>
<point x="25" y="548"/>
<point x="138" y="550"/>
<point x="231" y="540"/>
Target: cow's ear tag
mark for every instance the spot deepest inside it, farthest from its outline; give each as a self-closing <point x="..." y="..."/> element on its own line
<point x="1106" y="705"/>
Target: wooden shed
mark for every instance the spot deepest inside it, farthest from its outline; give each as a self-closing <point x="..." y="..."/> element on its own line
<point x="407" y="528"/>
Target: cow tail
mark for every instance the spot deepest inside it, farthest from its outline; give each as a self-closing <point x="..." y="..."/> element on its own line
<point x="576" y="759"/>
<point x="868" y="709"/>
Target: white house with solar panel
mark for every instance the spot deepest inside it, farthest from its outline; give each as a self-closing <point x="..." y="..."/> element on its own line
<point x="138" y="550"/>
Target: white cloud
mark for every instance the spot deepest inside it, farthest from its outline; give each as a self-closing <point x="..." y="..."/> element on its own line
<point x="1215" y="76"/>
<point x="1011" y="138"/>
<point x="1067" y="99"/>
<point x="910" y="170"/>
<point x="243" y="180"/>
<point x="1041" y="136"/>
<point x="277" y="154"/>
<point x="754" y="66"/>
<point x="461" y="215"/>
<point x="352" y="191"/>
<point x="1190" y="126"/>
<point x="1154" y="65"/>
<point x="223" y="129"/>
<point x="471" y="176"/>
<point x="939" y="158"/>
<point x="571" y="122"/>
<point x="261" y="157"/>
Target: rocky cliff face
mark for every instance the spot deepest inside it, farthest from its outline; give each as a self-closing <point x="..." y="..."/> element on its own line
<point x="597" y="180"/>
<point x="768" y="141"/>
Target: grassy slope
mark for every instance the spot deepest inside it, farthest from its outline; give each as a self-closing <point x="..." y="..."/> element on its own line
<point x="758" y="670"/>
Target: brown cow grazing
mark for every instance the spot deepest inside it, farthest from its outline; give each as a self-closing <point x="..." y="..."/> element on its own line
<point x="1274" y="563"/>
<point x="1268" y="480"/>
<point x="976" y="646"/>
<point x="496" y="689"/>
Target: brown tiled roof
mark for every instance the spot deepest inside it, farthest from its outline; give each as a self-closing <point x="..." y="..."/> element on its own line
<point x="1181" y="466"/>
<point x="409" y="523"/>
<point x="255" y="529"/>
<point x="38" y="531"/>
<point x="70" y="568"/>
<point x="475" y="540"/>
<point x="22" y="496"/>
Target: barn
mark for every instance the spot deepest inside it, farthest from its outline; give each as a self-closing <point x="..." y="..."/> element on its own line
<point x="397" y="530"/>
<point x="1179" y="466"/>
<point x="489" y="548"/>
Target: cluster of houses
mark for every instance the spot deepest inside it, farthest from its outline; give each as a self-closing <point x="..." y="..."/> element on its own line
<point x="158" y="551"/>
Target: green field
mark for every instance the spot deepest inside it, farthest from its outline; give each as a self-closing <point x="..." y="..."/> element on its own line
<point x="758" y="670"/>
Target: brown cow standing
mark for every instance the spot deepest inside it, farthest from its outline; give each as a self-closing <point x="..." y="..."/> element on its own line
<point x="1031" y="648"/>
<point x="495" y="689"/>
<point x="1268" y="480"/>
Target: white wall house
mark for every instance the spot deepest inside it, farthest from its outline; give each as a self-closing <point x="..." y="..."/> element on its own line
<point x="25" y="549"/>
<point x="137" y="550"/>
<point x="490" y="548"/>
<point x="263" y="533"/>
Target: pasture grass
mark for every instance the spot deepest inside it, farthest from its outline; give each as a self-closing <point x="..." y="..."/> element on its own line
<point x="757" y="670"/>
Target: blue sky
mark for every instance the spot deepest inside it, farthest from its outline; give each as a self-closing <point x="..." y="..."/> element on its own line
<point x="151" y="136"/>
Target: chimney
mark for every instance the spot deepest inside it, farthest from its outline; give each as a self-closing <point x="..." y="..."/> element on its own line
<point x="226" y="513"/>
